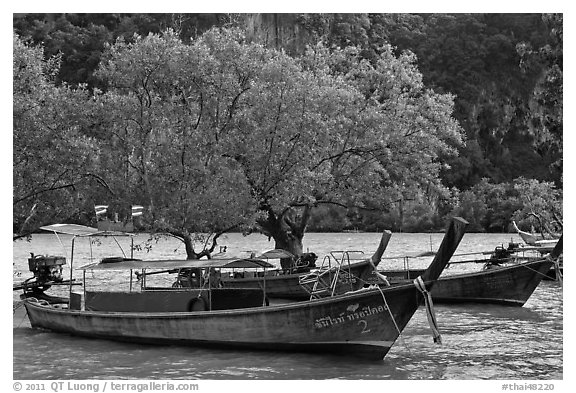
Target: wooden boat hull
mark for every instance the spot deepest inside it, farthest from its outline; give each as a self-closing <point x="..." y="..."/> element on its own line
<point x="287" y="286"/>
<point x="358" y="323"/>
<point x="510" y="285"/>
<point x="402" y="274"/>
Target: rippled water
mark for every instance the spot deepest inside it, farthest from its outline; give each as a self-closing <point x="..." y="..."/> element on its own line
<point x="479" y="341"/>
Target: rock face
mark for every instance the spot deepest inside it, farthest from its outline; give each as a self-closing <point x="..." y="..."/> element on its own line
<point x="280" y="31"/>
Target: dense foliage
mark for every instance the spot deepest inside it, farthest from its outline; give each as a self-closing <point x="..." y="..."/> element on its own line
<point x="54" y="165"/>
<point x="291" y="122"/>
<point x="505" y="70"/>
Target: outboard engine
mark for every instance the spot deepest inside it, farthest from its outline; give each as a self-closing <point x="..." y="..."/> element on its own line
<point x="500" y="256"/>
<point x="46" y="268"/>
<point x="306" y="262"/>
<point x="47" y="271"/>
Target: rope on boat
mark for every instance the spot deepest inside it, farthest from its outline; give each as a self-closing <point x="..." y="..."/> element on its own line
<point x="384" y="280"/>
<point x="392" y="317"/>
<point x="534" y="271"/>
<point x="389" y="311"/>
<point x="16" y="307"/>
<point x="559" y="275"/>
<point x="558" y="271"/>
<point x="381" y="277"/>
<point x="23" y="318"/>
<point x="430" y="314"/>
<point x="428" y="254"/>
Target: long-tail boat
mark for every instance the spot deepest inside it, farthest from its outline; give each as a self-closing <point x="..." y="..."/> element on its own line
<point x="504" y="278"/>
<point x="542" y="245"/>
<point x="507" y="285"/>
<point x="365" y="322"/>
<point x="536" y="240"/>
<point x="508" y="277"/>
<point x="286" y="283"/>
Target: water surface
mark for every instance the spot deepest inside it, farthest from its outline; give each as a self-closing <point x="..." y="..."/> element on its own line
<point x="479" y="341"/>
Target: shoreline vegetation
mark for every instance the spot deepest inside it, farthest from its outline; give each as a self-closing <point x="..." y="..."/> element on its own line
<point x="287" y="123"/>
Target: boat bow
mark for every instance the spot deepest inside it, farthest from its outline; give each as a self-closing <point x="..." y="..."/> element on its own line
<point x="447" y="248"/>
<point x="558" y="249"/>
<point x="377" y="256"/>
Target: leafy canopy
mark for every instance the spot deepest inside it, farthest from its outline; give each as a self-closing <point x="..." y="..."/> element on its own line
<point x="52" y="158"/>
<point x="225" y="133"/>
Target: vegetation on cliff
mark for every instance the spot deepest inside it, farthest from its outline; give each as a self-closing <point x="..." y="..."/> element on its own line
<point x="287" y="123"/>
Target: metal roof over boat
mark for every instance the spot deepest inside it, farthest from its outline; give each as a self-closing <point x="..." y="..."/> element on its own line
<point x="81" y="230"/>
<point x="276" y="254"/>
<point x="220" y="263"/>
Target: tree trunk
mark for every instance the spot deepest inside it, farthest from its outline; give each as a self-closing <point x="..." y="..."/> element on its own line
<point x="287" y="232"/>
<point x="287" y="241"/>
<point x="190" y="253"/>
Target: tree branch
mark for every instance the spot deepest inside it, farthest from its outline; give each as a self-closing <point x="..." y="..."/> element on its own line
<point x="208" y="252"/>
<point x="63" y="186"/>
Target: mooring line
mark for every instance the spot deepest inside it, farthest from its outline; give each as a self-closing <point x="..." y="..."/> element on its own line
<point x="394" y="320"/>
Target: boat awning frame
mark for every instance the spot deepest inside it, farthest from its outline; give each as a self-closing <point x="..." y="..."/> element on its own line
<point x="81" y="230"/>
<point x="276" y="254"/>
<point x="133" y="264"/>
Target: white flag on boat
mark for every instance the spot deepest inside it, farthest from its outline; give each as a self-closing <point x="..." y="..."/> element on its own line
<point x="137" y="210"/>
<point x="100" y="209"/>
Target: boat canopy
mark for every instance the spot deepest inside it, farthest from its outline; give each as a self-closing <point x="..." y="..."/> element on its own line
<point x="276" y="254"/>
<point x="135" y="264"/>
<point x="221" y="263"/>
<point x="81" y="230"/>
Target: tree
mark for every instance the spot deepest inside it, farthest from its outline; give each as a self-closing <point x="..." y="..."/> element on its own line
<point x="79" y="39"/>
<point x="53" y="168"/>
<point x="511" y="114"/>
<point x="223" y="133"/>
<point x="168" y="103"/>
<point x="541" y="205"/>
<point x="341" y="131"/>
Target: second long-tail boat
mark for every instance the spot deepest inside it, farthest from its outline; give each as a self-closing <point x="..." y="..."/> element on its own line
<point x="506" y="281"/>
<point x="286" y="284"/>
